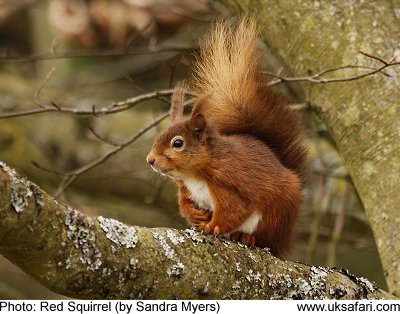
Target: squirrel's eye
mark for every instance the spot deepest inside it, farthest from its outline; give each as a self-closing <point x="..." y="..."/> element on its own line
<point x="178" y="143"/>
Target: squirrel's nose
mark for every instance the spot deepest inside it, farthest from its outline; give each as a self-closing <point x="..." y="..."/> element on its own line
<point x="150" y="159"/>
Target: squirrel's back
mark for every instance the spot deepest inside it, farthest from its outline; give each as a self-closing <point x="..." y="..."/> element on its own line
<point x="229" y="79"/>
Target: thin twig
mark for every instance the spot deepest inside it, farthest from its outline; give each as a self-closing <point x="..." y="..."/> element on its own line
<point x="41" y="86"/>
<point x="58" y="173"/>
<point x="98" y="54"/>
<point x="102" y="139"/>
<point x="350" y="66"/>
<point x="378" y="58"/>
<point x="134" y="83"/>
<point x="64" y="184"/>
<point x="113" y="108"/>
<point x="317" y="78"/>
<point x="74" y="175"/>
<point x="173" y="67"/>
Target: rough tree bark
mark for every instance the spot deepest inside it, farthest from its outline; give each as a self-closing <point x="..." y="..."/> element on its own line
<point x="362" y="116"/>
<point x="96" y="257"/>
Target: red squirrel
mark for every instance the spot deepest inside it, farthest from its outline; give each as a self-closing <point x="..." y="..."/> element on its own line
<point x="239" y="158"/>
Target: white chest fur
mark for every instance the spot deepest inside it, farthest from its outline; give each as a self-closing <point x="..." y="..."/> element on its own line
<point x="199" y="193"/>
<point x="251" y="223"/>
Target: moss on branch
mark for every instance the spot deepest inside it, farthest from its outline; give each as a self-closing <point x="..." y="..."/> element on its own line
<point x="100" y="258"/>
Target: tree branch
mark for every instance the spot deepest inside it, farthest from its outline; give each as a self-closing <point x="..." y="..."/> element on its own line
<point x="97" y="54"/>
<point x="95" y="257"/>
<point x="72" y="176"/>
<point x="93" y="111"/>
<point x="128" y="103"/>
<point x="317" y="78"/>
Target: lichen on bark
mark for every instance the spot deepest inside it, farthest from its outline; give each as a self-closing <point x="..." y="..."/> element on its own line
<point x="100" y="258"/>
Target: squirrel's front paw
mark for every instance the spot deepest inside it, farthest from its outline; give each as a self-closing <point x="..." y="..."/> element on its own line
<point x="210" y="229"/>
<point x="200" y="216"/>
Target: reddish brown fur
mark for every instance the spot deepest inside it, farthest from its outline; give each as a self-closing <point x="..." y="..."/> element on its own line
<point x="241" y="140"/>
<point x="177" y="102"/>
<point x="228" y="71"/>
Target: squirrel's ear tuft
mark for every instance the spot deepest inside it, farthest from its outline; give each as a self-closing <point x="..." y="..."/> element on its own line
<point x="197" y="119"/>
<point x="198" y="122"/>
<point x="177" y="102"/>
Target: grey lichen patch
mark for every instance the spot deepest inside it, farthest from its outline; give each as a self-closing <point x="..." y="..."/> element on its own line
<point x="83" y="238"/>
<point x="133" y="262"/>
<point x="250" y="285"/>
<point x="365" y="285"/>
<point x="238" y="267"/>
<point x="205" y="290"/>
<point x="31" y="225"/>
<point x="168" y="251"/>
<point x="234" y="292"/>
<point x="268" y="250"/>
<point x="118" y="233"/>
<point x="252" y="276"/>
<point x="20" y="194"/>
<point x="20" y="189"/>
<point x="174" y="237"/>
<point x="195" y="236"/>
<point x="176" y="270"/>
<point x="113" y="249"/>
<point x="68" y="263"/>
<point x="337" y="292"/>
<point x="289" y="282"/>
<point x="251" y="255"/>
<point x="369" y="285"/>
<point x="300" y="288"/>
<point x="106" y="271"/>
<point x="315" y="286"/>
<point x="121" y="279"/>
<point x="317" y="278"/>
<point x="236" y="285"/>
<point x="286" y="286"/>
<point x="294" y="287"/>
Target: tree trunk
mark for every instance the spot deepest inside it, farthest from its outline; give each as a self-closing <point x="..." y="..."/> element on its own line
<point x="96" y="257"/>
<point x="362" y="116"/>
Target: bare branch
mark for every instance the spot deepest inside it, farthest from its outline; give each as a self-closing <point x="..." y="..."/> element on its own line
<point x="111" y="109"/>
<point x="128" y="103"/>
<point x="317" y="78"/>
<point x="99" y="258"/>
<point x="58" y="173"/>
<point x="72" y="176"/>
<point x="102" y="139"/>
<point x="387" y="63"/>
<point x="97" y="54"/>
<point x="41" y="86"/>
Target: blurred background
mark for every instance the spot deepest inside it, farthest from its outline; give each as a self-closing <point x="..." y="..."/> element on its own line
<point x="85" y="54"/>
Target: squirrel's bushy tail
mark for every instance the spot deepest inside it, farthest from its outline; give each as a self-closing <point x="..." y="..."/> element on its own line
<point x="228" y="78"/>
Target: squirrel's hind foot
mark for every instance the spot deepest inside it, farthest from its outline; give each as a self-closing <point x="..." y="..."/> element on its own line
<point x="244" y="238"/>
